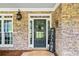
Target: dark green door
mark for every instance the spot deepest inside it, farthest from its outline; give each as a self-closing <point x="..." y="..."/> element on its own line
<point x="39" y="33"/>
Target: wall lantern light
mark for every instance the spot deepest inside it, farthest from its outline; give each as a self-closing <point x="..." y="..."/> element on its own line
<point x="18" y="15"/>
<point x="56" y="23"/>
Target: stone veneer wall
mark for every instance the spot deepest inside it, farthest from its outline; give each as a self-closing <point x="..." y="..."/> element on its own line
<point x="56" y="17"/>
<point x="20" y="29"/>
<point x="20" y="32"/>
<point x="68" y="29"/>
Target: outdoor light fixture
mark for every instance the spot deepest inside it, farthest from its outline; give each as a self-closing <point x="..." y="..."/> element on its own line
<point x="56" y="23"/>
<point x="18" y="15"/>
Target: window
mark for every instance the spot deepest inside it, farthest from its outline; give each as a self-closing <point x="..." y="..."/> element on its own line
<point x="0" y="34"/>
<point x="6" y="30"/>
<point x="30" y="32"/>
<point x="49" y="36"/>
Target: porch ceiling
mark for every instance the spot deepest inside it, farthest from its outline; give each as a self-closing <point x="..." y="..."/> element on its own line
<point x="27" y="5"/>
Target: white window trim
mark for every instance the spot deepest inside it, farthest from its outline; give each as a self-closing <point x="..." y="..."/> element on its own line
<point x="2" y="29"/>
<point x="32" y="19"/>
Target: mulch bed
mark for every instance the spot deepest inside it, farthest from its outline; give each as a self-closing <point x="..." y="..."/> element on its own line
<point x="11" y="52"/>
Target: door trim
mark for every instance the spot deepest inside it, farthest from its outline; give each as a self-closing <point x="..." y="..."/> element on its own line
<point x="32" y="19"/>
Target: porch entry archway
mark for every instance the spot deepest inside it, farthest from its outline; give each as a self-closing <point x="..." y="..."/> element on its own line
<point x="38" y="30"/>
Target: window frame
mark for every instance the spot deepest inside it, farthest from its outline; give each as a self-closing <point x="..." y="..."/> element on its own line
<point x="2" y="19"/>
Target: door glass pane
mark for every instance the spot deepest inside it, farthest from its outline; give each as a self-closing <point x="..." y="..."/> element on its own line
<point x="40" y="29"/>
<point x="30" y="32"/>
<point x="7" y="26"/>
<point x="0" y="34"/>
<point x="39" y="32"/>
<point x="8" y="31"/>
<point x="8" y="38"/>
<point x="11" y="38"/>
<point x="49" y="35"/>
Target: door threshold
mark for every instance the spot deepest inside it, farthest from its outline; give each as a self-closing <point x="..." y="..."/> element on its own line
<point x="39" y="48"/>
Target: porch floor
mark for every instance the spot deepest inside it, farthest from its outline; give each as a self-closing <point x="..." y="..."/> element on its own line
<point x="37" y="53"/>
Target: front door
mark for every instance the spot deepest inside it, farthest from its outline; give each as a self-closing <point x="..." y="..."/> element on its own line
<point x="39" y="33"/>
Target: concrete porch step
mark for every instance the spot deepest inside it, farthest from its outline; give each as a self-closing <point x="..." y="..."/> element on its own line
<point x="37" y="53"/>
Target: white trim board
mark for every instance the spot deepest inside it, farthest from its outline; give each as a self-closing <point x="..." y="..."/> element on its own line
<point x="31" y="9"/>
